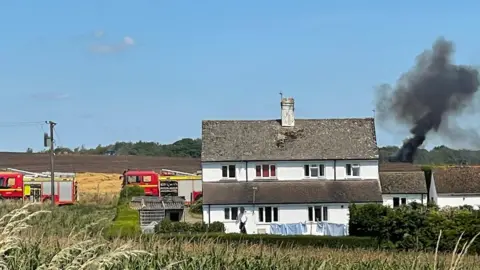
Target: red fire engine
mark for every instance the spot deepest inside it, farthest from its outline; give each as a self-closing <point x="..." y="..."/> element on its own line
<point x="164" y="184"/>
<point x="15" y="186"/>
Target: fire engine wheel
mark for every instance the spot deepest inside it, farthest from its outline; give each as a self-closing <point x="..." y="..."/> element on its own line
<point x="47" y="201"/>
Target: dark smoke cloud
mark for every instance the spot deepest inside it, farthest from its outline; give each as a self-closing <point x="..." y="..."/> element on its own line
<point x="427" y="95"/>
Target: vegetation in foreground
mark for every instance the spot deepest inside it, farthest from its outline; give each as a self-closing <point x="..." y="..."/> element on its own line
<point x="39" y="237"/>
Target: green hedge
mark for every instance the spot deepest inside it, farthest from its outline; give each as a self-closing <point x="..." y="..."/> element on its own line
<point x="415" y="226"/>
<point x="167" y="226"/>
<point x="126" y="222"/>
<point x="349" y="242"/>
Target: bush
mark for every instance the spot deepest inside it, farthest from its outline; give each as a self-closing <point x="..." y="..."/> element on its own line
<point x="197" y="207"/>
<point x="415" y="226"/>
<point x="167" y="226"/>
<point x="284" y="241"/>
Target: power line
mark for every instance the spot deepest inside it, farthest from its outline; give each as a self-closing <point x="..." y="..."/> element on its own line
<point x="20" y="124"/>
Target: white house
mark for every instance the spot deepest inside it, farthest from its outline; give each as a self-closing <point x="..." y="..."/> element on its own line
<point x="292" y="176"/>
<point x="400" y="188"/>
<point x="455" y="186"/>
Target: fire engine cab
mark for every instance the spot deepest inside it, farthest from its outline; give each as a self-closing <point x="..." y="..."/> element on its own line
<point x="167" y="183"/>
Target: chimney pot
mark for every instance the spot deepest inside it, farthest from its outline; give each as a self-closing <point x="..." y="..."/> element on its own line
<point x="288" y="109"/>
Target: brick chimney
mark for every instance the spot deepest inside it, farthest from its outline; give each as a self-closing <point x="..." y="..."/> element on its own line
<point x="288" y="117"/>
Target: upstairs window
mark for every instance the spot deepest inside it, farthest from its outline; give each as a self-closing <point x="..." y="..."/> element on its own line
<point x="314" y="171"/>
<point x="317" y="213"/>
<point x="265" y="171"/>
<point x="228" y="171"/>
<point x="353" y="170"/>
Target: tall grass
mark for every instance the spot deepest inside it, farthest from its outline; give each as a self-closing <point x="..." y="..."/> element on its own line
<point x="39" y="237"/>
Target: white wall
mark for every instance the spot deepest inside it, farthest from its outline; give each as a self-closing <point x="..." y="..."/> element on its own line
<point x="292" y="170"/>
<point x="455" y="200"/>
<point x="388" y="198"/>
<point x="287" y="214"/>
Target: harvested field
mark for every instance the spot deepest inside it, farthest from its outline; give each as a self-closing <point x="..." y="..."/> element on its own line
<point x="95" y="163"/>
<point x="98" y="183"/>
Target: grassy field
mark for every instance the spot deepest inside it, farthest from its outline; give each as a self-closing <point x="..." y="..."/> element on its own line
<point x="38" y="237"/>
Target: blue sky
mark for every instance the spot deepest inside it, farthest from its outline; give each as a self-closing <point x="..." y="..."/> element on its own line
<point x="152" y="70"/>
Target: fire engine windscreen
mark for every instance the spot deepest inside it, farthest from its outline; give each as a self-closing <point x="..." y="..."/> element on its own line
<point x="426" y="95"/>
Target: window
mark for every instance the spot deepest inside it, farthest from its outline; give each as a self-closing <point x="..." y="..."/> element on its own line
<point x="228" y="171"/>
<point x="317" y="213"/>
<point x="265" y="171"/>
<point x="230" y="213"/>
<point x="133" y="179"/>
<point x="268" y="214"/>
<point x="314" y="170"/>
<point x="147" y="178"/>
<point x="11" y="182"/>
<point x="397" y="201"/>
<point x="353" y="170"/>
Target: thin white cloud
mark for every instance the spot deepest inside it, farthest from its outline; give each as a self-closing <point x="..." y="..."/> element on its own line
<point x="112" y="48"/>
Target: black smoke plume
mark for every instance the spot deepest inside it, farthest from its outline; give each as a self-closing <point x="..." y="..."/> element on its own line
<point x="426" y="95"/>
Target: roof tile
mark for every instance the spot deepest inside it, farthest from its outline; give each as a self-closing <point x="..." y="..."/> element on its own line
<point x="300" y="191"/>
<point x="403" y="182"/>
<point x="317" y="139"/>
<point x="461" y="180"/>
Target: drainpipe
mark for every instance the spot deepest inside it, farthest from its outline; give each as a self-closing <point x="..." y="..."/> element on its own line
<point x="209" y="214"/>
<point x="246" y="171"/>
<point x="253" y="206"/>
<point x="334" y="169"/>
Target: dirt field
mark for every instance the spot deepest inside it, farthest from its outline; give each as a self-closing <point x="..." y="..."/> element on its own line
<point x="95" y="163"/>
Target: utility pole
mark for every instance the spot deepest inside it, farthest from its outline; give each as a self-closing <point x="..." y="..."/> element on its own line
<point x="52" y="161"/>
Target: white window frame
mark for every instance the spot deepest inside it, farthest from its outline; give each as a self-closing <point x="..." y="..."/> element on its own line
<point x="312" y="166"/>
<point x="230" y="212"/>
<point x="228" y="171"/>
<point x="323" y="208"/>
<point x="352" y="166"/>
<point x="262" y="214"/>
<point x="269" y="171"/>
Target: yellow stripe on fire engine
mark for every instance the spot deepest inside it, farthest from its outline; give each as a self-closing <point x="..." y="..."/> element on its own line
<point x="147" y="186"/>
<point x="181" y="177"/>
<point x="10" y="189"/>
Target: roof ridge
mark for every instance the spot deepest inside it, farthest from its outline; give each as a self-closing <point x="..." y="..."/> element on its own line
<point x="296" y="119"/>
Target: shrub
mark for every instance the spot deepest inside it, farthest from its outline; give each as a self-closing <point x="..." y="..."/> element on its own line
<point x="166" y="227"/>
<point x="416" y="227"/>
<point x="197" y="207"/>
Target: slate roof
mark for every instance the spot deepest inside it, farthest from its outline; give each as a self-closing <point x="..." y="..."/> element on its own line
<point x="316" y="139"/>
<point x="403" y="182"/>
<point x="462" y="180"/>
<point x="294" y="192"/>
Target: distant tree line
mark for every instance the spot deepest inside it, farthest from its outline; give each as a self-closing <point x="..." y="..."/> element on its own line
<point x="182" y="148"/>
<point x="193" y="148"/>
